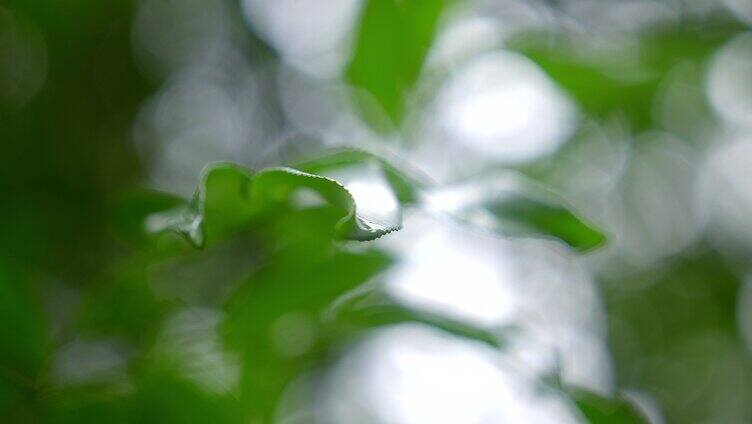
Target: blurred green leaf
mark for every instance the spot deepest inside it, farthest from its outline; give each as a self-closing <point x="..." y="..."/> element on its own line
<point x="159" y="395"/>
<point x="89" y="405"/>
<point x="392" y="43"/>
<point x="602" y="410"/>
<point x="619" y="80"/>
<point x="521" y="215"/>
<point x="513" y="206"/>
<point x="230" y="199"/>
<point x="124" y="306"/>
<point x="164" y="397"/>
<point x="686" y="313"/>
<point x="354" y="316"/>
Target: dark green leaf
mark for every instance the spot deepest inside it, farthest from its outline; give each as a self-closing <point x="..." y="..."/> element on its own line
<point x="602" y="410"/>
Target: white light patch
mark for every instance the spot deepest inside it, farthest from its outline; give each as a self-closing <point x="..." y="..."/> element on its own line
<point x="411" y="374"/>
<point x="502" y="105"/>
<point x="725" y="193"/>
<point x="453" y="271"/>
<point x="741" y="8"/>
<point x="375" y="200"/>
<point x="656" y="215"/>
<point x="462" y="39"/>
<point x="309" y="34"/>
<point x="89" y="361"/>
<point x="190" y="340"/>
<point x="729" y="85"/>
<point x="193" y="119"/>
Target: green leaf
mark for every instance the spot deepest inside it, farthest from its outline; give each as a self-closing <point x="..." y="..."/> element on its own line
<point x="522" y="215"/>
<point x="391" y="46"/>
<point x="514" y="207"/>
<point x="231" y="199"/>
<point x="602" y="410"/>
<point x="352" y="317"/>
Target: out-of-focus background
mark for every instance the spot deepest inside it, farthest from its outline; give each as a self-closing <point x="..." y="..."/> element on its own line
<point x="638" y="112"/>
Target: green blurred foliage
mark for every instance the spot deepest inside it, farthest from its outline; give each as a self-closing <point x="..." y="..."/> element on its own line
<point x="76" y="218"/>
<point x="679" y="337"/>
<point x="392" y="43"/>
<point x="66" y="153"/>
<point x="621" y="81"/>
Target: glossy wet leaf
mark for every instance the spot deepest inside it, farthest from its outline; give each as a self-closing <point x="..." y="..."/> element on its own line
<point x="392" y="43"/>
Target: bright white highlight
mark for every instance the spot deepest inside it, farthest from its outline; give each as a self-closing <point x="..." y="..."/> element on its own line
<point x="190" y="340"/>
<point x="374" y="198"/>
<point x="725" y="193"/>
<point x="446" y="269"/>
<point x="309" y="34"/>
<point x="89" y="361"/>
<point x="412" y="374"/>
<point x="502" y="105"/>
<point x="729" y="83"/>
